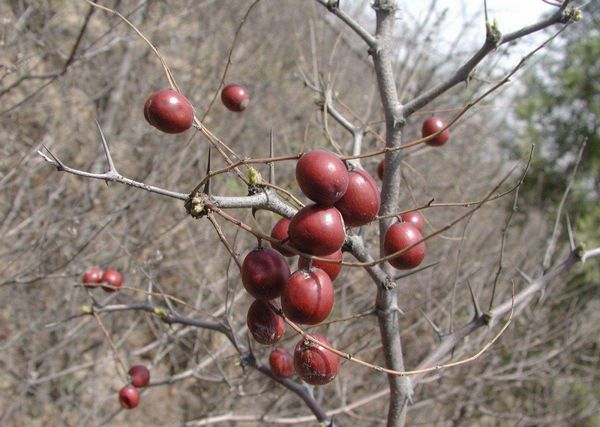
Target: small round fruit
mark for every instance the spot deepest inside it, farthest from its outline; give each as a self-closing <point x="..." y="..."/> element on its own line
<point x="332" y="269"/>
<point x="113" y="278"/>
<point x="400" y="236"/>
<point x="380" y="169"/>
<point x="314" y="363"/>
<point x="322" y="176"/>
<point x="308" y="296"/>
<point x="264" y="273"/>
<point x="433" y="125"/>
<point x="235" y="97"/>
<point x="129" y="397"/>
<point x="280" y="232"/>
<point x="282" y="363"/>
<point x="140" y="375"/>
<point x="317" y="230"/>
<point x="414" y="218"/>
<point x="265" y="325"/>
<point x="169" y="111"/>
<point x="360" y="204"/>
<point x="92" y="277"/>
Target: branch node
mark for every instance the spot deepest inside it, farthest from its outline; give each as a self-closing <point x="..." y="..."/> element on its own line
<point x="571" y="14"/>
<point x="389" y="283"/>
<point x="493" y="36"/>
<point x="196" y="206"/>
<point x="332" y="5"/>
<point x="162" y="313"/>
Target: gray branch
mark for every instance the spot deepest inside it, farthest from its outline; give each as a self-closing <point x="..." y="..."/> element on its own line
<point x="492" y="42"/>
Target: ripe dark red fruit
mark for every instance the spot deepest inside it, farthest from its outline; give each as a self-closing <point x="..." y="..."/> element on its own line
<point x="140" y="375"/>
<point x="113" y="278"/>
<point x="415" y="218"/>
<point x="360" y="204"/>
<point x="314" y="363"/>
<point x="92" y="277"/>
<point x="169" y="111"/>
<point x="331" y="269"/>
<point x="235" y="97"/>
<point x="264" y="273"/>
<point x="400" y="236"/>
<point x="433" y="125"/>
<point x="308" y="296"/>
<point x="322" y="176"/>
<point x="280" y="232"/>
<point x="380" y="169"/>
<point x="317" y="230"/>
<point x="265" y="325"/>
<point x="129" y="397"/>
<point x="282" y="363"/>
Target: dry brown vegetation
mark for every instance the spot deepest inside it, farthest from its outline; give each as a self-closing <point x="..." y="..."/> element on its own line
<point x="53" y="226"/>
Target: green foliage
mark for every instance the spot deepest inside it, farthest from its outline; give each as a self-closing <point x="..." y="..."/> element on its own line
<point x="560" y="108"/>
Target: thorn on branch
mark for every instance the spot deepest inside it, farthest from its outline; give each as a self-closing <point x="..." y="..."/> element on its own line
<point x="271" y="155"/>
<point x="440" y="334"/>
<point x="208" y="167"/>
<point x="478" y="312"/>
<point x="524" y="276"/>
<point x="53" y="160"/>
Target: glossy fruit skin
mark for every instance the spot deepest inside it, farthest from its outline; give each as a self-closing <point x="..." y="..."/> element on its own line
<point x="265" y="325"/>
<point x="315" y="364"/>
<point x="380" y="169"/>
<point x="360" y="204"/>
<point x="317" y="230"/>
<point x="92" y="277"/>
<point x="282" y="363"/>
<point x="322" y="176"/>
<point x="113" y="278"/>
<point x="399" y="236"/>
<point x="169" y="111"/>
<point x="235" y="97"/>
<point x="332" y="270"/>
<point x="140" y="376"/>
<point x="308" y="296"/>
<point x="280" y="232"/>
<point x="264" y="273"/>
<point x="415" y="218"/>
<point x="431" y="126"/>
<point x="129" y="397"/>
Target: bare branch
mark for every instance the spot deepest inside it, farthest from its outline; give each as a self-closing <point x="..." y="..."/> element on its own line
<point x="491" y="43"/>
<point x="333" y="7"/>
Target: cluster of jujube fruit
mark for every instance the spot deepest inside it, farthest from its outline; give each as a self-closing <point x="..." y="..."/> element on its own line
<point x="110" y="280"/>
<point x="129" y="395"/>
<point x="341" y="198"/>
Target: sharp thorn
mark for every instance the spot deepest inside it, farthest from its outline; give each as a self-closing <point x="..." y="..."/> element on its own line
<point x="435" y="328"/>
<point x="416" y="270"/>
<point x="476" y="307"/>
<point x="208" y="166"/>
<point x="541" y="298"/>
<point x="271" y="155"/>
<point x="111" y="165"/>
<point x="570" y="232"/>
<point x="524" y="275"/>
